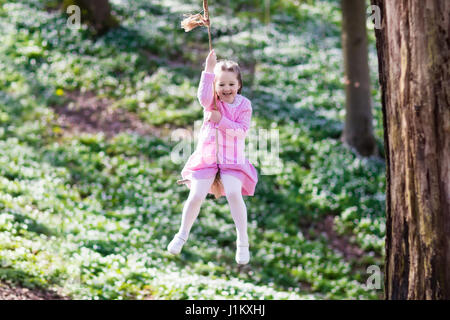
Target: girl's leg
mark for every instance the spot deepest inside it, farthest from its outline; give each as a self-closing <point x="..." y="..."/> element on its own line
<point x="191" y="209"/>
<point x="199" y="190"/>
<point x="233" y="186"/>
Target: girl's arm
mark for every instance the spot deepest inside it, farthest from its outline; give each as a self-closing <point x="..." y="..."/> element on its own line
<point x="205" y="90"/>
<point x="240" y="126"/>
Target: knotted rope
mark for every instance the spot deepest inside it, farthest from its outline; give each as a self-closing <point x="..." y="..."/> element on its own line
<point x="189" y="23"/>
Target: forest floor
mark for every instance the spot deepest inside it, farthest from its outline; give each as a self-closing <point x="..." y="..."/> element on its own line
<point x="85" y="112"/>
<point x="17" y="292"/>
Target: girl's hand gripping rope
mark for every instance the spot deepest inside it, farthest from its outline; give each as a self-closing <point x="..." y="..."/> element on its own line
<point x="211" y="61"/>
<point x="213" y="116"/>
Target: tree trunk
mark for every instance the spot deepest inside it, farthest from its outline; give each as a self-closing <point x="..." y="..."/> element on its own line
<point x="358" y="130"/>
<point x="96" y="12"/>
<point x="413" y="51"/>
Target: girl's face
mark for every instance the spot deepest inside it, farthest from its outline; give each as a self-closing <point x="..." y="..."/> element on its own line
<point x="227" y="86"/>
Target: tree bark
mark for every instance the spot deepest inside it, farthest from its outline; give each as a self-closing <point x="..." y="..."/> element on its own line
<point x="413" y="47"/>
<point x="96" y="12"/>
<point x="358" y="130"/>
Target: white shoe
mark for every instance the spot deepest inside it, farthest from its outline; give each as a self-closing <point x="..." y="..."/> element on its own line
<point x="242" y="254"/>
<point x="176" y="245"/>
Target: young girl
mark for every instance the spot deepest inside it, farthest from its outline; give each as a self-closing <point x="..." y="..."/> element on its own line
<point x="237" y="174"/>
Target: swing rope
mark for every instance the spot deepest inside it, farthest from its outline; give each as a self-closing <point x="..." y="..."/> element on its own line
<point x="189" y="23"/>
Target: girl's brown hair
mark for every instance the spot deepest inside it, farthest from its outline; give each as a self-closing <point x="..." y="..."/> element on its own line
<point x="230" y="66"/>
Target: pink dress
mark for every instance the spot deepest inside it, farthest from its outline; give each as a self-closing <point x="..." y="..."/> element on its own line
<point x="232" y="130"/>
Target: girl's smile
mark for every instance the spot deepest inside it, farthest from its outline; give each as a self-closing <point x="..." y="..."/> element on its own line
<point x="227" y="86"/>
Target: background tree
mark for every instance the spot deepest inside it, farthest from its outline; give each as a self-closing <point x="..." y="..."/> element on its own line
<point x="358" y="130"/>
<point x="413" y="50"/>
<point x="95" y="12"/>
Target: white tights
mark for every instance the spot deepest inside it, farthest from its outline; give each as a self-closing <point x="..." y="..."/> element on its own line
<point x="198" y="193"/>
